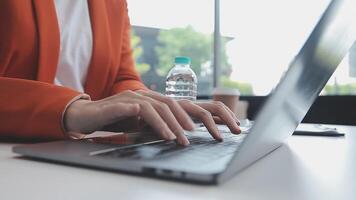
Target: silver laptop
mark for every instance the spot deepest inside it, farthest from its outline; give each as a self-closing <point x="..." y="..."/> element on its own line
<point x="207" y="161"/>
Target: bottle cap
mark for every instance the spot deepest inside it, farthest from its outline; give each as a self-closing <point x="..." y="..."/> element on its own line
<point x="182" y="60"/>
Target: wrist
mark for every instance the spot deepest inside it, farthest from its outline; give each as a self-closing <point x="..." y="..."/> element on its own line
<point x="72" y="112"/>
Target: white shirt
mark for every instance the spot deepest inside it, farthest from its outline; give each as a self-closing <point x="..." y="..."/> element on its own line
<point x="76" y="43"/>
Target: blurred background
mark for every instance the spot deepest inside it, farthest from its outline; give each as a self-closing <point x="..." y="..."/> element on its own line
<point x="258" y="41"/>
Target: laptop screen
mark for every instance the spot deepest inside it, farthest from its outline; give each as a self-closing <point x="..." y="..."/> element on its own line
<point x="287" y="105"/>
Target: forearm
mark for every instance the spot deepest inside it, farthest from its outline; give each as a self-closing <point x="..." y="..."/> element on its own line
<point x="32" y="109"/>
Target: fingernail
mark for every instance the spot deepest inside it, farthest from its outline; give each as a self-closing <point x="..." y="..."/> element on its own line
<point x="186" y="143"/>
<point x="183" y="143"/>
<point x="184" y="140"/>
<point x="169" y="136"/>
<point x="238" y="122"/>
<point x="219" y="137"/>
<point x="172" y="137"/>
<point x="237" y="126"/>
<point x="238" y="130"/>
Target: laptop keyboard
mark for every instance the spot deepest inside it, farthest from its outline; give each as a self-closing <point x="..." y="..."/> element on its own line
<point x="202" y="146"/>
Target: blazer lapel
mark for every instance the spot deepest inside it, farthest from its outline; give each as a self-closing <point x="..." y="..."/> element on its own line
<point x="99" y="74"/>
<point x="99" y="68"/>
<point x="49" y="40"/>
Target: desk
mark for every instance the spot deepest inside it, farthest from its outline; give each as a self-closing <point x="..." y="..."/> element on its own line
<point x="304" y="168"/>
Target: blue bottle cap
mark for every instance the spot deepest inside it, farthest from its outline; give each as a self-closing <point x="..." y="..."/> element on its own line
<point x="182" y="60"/>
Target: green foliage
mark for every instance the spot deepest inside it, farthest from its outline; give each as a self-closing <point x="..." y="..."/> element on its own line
<point x="137" y="53"/>
<point x="186" y="42"/>
<point x="345" y="89"/>
<point x="244" y="88"/>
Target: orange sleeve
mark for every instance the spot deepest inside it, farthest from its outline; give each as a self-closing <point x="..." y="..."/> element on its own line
<point x="32" y="109"/>
<point x="127" y="78"/>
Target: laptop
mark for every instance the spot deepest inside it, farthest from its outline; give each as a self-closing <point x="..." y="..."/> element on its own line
<point x="207" y="161"/>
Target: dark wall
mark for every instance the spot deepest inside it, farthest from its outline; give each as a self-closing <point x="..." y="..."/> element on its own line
<point x="326" y="109"/>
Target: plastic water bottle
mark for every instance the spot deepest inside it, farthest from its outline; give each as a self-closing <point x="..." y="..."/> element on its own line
<point x="181" y="81"/>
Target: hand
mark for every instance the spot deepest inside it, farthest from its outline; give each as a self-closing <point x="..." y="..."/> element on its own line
<point x="167" y="117"/>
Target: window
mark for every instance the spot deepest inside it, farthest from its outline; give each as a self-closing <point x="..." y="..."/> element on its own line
<point x="165" y="29"/>
<point x="259" y="40"/>
<point x="268" y="34"/>
<point x="343" y="81"/>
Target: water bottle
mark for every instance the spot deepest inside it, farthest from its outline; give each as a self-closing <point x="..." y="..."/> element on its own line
<point x="181" y="81"/>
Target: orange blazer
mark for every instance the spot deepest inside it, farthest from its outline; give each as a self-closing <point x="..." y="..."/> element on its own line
<point x="31" y="107"/>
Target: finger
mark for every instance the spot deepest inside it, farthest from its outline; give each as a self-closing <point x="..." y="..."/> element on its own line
<point x="203" y="115"/>
<point x="151" y="117"/>
<point x="166" y="114"/>
<point x="217" y="108"/>
<point x="217" y="120"/>
<point x="176" y="131"/>
<point x="232" y="114"/>
<point x="182" y="117"/>
<point x="148" y="113"/>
